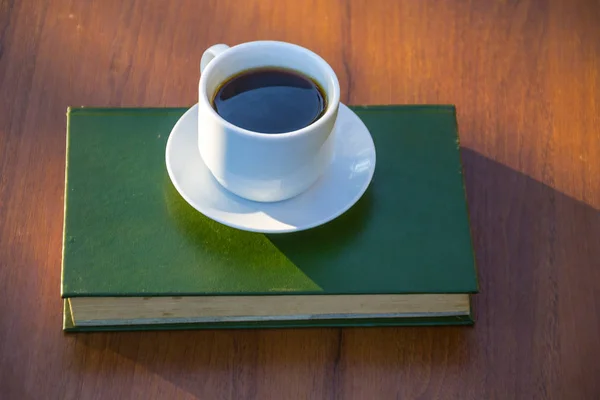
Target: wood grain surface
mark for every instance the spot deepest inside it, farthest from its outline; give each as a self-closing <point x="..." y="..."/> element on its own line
<point x="525" y="77"/>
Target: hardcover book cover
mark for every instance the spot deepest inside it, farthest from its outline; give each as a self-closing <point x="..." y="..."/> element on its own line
<point x="129" y="235"/>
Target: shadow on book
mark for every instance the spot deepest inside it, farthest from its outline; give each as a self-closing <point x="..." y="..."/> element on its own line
<point x="534" y="247"/>
<point x="277" y="259"/>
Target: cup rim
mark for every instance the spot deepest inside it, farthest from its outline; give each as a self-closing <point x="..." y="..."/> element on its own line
<point x="333" y="97"/>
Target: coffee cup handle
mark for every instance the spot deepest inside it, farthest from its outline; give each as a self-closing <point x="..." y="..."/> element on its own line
<point x="210" y="54"/>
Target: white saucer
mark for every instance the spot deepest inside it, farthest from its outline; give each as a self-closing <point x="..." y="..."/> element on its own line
<point x="340" y="186"/>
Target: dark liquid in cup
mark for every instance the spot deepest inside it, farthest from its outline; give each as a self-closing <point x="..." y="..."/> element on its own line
<point x="270" y="100"/>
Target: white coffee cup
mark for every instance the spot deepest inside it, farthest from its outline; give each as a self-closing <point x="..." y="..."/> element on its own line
<point x="259" y="166"/>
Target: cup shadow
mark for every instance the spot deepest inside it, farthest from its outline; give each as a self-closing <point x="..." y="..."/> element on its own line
<point x="533" y="245"/>
<point x="325" y="240"/>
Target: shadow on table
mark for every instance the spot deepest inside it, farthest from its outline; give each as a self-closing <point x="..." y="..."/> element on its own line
<point x="533" y="244"/>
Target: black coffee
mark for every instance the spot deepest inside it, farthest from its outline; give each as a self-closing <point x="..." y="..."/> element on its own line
<point x="270" y="100"/>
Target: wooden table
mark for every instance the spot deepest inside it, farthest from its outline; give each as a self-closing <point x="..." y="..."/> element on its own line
<point x="525" y="77"/>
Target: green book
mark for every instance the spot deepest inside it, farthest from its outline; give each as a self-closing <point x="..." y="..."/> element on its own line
<point x="137" y="256"/>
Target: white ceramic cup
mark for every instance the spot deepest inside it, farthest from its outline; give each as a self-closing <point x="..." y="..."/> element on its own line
<point x="259" y="166"/>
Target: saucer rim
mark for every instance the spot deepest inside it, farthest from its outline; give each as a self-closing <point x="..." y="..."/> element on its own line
<point x="290" y="228"/>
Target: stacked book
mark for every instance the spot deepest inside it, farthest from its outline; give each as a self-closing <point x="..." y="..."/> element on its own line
<point x="137" y="256"/>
